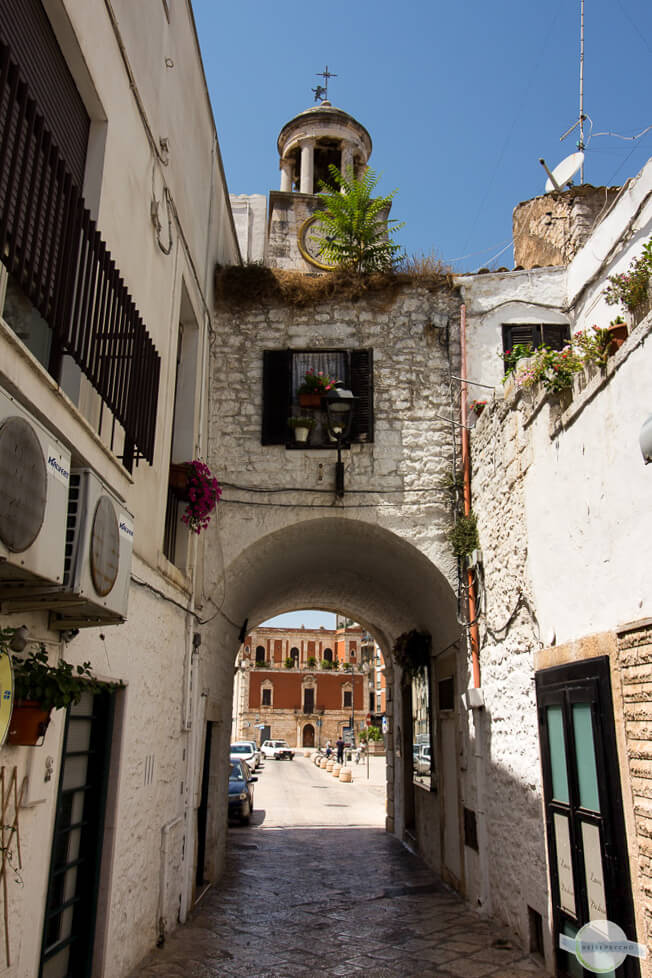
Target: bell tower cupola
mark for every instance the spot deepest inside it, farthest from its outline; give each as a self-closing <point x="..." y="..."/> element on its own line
<point x="315" y="139"/>
<point x="307" y="146"/>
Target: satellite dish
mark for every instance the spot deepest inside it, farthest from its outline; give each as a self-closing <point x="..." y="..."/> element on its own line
<point x="563" y="172"/>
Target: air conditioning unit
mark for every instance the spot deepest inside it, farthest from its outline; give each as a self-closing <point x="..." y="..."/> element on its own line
<point x="99" y="544"/>
<point x="34" y="481"/>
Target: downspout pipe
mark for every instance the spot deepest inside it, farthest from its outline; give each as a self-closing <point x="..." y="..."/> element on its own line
<point x="474" y="632"/>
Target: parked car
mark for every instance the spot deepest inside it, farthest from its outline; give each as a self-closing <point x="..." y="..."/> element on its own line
<point x="241" y="794"/>
<point x="277" y="749"/>
<point x="243" y="750"/>
<point x="422" y="760"/>
<point x="258" y="757"/>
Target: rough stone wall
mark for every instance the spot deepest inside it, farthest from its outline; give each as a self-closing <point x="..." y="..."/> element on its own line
<point x="635" y="659"/>
<point x="412" y="447"/>
<point x="551" y="230"/>
<point x="395" y="567"/>
<point x="507" y="781"/>
<point x="287" y="212"/>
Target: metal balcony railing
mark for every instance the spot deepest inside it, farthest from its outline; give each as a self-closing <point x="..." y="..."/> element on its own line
<point x="56" y="255"/>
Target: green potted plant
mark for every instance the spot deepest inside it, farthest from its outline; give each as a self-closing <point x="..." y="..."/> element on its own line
<point x="40" y="688"/>
<point x="302" y="426"/>
<point x="478" y="407"/>
<point x="289" y="662"/>
<point x="312" y="662"/>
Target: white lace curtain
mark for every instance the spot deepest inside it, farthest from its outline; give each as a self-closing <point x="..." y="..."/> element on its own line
<point x="332" y="364"/>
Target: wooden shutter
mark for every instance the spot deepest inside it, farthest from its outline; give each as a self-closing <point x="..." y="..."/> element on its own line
<point x="521" y="333"/>
<point x="26" y="29"/>
<point x="555" y="335"/>
<point x="276" y="396"/>
<point x="362" y="385"/>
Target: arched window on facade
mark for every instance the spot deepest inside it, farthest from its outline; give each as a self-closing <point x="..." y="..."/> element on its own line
<point x="328" y="655"/>
<point x="260" y="654"/>
<point x="294" y="654"/>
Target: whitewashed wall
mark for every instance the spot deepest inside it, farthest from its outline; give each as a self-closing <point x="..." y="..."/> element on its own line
<point x="562" y="499"/>
<point x="149" y="851"/>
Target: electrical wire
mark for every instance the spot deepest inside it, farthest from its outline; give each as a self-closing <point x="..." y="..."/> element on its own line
<point x="178" y="604"/>
<point x="336" y="504"/>
<point x="375" y="492"/>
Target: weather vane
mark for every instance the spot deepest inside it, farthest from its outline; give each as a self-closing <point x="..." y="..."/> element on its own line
<point x="321" y="91"/>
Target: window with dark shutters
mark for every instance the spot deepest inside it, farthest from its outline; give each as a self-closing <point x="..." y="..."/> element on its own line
<point x="553" y="335"/>
<point x="279" y="398"/>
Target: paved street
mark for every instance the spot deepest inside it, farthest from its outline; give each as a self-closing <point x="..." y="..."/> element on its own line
<point x="315" y="887"/>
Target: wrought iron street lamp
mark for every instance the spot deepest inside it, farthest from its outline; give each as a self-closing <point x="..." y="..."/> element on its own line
<point x="339" y="404"/>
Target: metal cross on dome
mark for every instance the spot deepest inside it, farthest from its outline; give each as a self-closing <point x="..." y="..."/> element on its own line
<point x="321" y="91"/>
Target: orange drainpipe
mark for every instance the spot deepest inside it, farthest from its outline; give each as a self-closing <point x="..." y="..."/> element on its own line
<point x="474" y="633"/>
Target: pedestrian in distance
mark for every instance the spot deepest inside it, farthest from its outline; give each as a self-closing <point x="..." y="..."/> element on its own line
<point x="339" y="743"/>
<point x="329" y="749"/>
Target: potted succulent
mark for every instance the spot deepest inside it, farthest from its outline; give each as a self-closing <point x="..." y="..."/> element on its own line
<point x="40" y="688"/>
<point x="315" y="385"/>
<point x="302" y="426"/>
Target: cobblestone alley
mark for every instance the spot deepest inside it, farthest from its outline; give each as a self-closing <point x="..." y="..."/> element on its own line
<point x="306" y="902"/>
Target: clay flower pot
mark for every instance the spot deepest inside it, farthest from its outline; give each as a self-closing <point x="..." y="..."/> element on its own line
<point x="310" y="400"/>
<point x="28" y="724"/>
<point x="618" y="335"/>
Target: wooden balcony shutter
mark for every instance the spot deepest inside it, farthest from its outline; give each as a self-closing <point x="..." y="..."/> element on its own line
<point x="276" y="396"/>
<point x="362" y="385"/>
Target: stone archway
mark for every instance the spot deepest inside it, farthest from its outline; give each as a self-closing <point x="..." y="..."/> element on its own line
<point x="346" y="564"/>
<point x="308" y="736"/>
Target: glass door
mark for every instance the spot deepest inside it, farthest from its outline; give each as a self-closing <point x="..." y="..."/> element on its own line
<point x="587" y="848"/>
<point x="69" y="927"/>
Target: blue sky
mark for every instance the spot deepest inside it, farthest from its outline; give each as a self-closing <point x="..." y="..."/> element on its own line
<point x="460" y="100"/>
<point x="295" y="619"/>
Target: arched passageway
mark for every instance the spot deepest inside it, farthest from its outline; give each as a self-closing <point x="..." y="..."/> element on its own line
<point x="389" y="586"/>
<point x="308" y="736"/>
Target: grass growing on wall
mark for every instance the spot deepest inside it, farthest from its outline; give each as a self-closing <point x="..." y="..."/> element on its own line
<point x="246" y="285"/>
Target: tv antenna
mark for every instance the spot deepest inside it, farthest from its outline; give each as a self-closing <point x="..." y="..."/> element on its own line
<point x="566" y="170"/>
<point x="582" y="117"/>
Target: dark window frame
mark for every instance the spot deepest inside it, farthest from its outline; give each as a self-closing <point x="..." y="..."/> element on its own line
<point x="278" y="396"/>
<point x="554" y="335"/>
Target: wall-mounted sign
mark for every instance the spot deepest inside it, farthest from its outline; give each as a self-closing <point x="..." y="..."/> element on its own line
<point x="6" y="695"/>
<point x="593" y="869"/>
<point x="564" y="864"/>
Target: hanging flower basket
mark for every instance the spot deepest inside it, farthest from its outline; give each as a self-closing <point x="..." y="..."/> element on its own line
<point x="412" y="652"/>
<point x="203" y="495"/>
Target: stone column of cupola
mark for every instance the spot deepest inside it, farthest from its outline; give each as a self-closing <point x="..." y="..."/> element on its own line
<point x="287" y="175"/>
<point x="347" y="159"/>
<point x="307" y="166"/>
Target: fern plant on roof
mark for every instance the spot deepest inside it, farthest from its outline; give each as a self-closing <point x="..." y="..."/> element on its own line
<point x="354" y="231"/>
